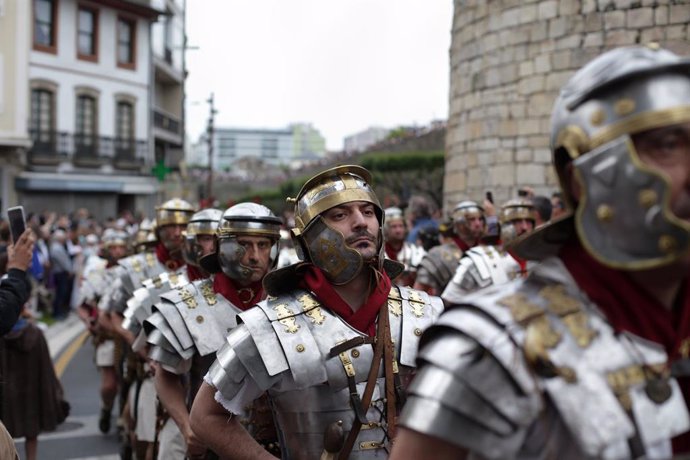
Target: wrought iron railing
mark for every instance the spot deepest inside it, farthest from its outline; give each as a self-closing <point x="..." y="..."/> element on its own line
<point x="166" y="122"/>
<point x="53" y="147"/>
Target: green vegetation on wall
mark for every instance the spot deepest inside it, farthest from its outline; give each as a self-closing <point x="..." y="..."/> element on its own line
<point x="397" y="176"/>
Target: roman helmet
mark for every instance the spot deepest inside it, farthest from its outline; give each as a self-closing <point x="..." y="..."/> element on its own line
<point x="174" y="212"/>
<point x="204" y="222"/>
<point x="321" y="244"/>
<point x="250" y="219"/>
<point x="146" y="236"/>
<point x="512" y="210"/>
<point x="113" y="237"/>
<point x="623" y="216"/>
<point x="464" y="211"/>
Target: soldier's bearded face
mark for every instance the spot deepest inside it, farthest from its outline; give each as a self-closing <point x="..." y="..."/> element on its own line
<point x="395" y="230"/>
<point x="172" y="236"/>
<point x="359" y="225"/>
<point x="207" y="243"/>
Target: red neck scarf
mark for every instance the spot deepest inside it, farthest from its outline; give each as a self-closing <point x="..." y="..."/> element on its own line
<point x="195" y="273"/>
<point x="241" y="297"/>
<point x="630" y="308"/>
<point x="364" y="319"/>
<point x="392" y="252"/>
<point x="461" y="243"/>
<point x="164" y="257"/>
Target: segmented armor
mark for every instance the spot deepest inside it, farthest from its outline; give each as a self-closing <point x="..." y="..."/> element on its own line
<point x="313" y="365"/>
<point x="438" y="266"/>
<point x="531" y="369"/>
<point x="480" y="267"/>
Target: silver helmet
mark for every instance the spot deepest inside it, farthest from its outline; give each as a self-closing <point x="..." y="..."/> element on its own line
<point x="249" y="219"/>
<point x="622" y="216"/>
<point x="204" y="222"/>
<point x="512" y="210"/>
<point x="462" y="212"/>
<point x="339" y="185"/>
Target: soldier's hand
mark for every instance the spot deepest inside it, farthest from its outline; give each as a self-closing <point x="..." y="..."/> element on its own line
<point x="195" y="448"/>
<point x="20" y="253"/>
<point x="489" y="208"/>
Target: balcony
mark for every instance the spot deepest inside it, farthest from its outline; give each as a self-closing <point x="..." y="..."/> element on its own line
<point x="51" y="148"/>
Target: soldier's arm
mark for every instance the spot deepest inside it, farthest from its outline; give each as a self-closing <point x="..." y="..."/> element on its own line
<point x="412" y="445"/>
<point x="171" y="394"/>
<point x="220" y="430"/>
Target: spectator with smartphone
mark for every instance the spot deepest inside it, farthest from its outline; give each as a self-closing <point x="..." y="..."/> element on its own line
<point x="15" y="287"/>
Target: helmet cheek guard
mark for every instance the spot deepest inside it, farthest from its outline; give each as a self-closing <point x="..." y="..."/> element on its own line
<point x="230" y="255"/>
<point x="326" y="248"/>
<point x="620" y="231"/>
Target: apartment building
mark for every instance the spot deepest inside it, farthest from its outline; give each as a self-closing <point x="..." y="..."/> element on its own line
<point x="90" y="105"/>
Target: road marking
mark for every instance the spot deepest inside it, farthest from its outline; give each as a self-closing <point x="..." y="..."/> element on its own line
<point x="66" y="357"/>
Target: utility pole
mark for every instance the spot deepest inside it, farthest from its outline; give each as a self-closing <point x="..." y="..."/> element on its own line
<point x="209" y="131"/>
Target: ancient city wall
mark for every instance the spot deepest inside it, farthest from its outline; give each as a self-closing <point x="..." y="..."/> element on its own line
<point x="508" y="58"/>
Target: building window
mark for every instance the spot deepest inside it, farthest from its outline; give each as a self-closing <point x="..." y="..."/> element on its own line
<point x="86" y="124"/>
<point x="45" y="25"/>
<point x="126" y="41"/>
<point x="42" y="116"/>
<point x="124" y="129"/>
<point x="87" y="34"/>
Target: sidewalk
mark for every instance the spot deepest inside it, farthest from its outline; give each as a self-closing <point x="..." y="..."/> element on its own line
<point x="61" y="333"/>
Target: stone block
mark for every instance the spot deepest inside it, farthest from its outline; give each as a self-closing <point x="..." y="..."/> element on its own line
<point x="568" y="7"/>
<point x="621" y="37"/>
<point x="614" y="20"/>
<point x="555" y="80"/>
<point x="661" y="15"/>
<point x="542" y="63"/>
<point x="540" y="104"/>
<point x="593" y="39"/>
<point x="623" y="4"/>
<point x="558" y="27"/>
<point x="538" y="31"/>
<point x="527" y="126"/>
<point x="538" y="141"/>
<point x="561" y="60"/>
<point x="589" y="6"/>
<point x="542" y="156"/>
<point x="531" y="84"/>
<point x="518" y="110"/>
<point x="655" y="34"/>
<point x="527" y="13"/>
<point x="503" y="175"/>
<point x="474" y="177"/>
<point x="503" y="156"/>
<point x="456" y="181"/>
<point x="570" y="42"/>
<point x="530" y="174"/>
<point x="510" y="17"/>
<point x="526" y="68"/>
<point x="507" y="128"/>
<point x="679" y="14"/>
<point x="594" y="22"/>
<point x="676" y="32"/>
<point x="639" y="18"/>
<point x="471" y="160"/>
<point x="523" y="155"/>
<point x="548" y="9"/>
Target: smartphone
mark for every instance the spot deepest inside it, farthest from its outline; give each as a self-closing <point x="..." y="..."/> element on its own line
<point x="522" y="192"/>
<point x="17" y="222"/>
<point x="490" y="197"/>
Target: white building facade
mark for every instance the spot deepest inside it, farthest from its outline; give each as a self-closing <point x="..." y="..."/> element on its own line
<point x="90" y="107"/>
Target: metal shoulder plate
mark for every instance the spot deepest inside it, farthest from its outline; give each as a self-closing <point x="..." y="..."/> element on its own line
<point x="438" y="265"/>
<point x="142" y="300"/>
<point x="543" y="335"/>
<point x="480" y="267"/>
<point x="140" y="267"/>
<point x="411" y="255"/>
<point x="411" y="313"/>
<point x="203" y="315"/>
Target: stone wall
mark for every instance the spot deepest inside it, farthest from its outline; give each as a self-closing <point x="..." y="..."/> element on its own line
<point x="508" y="58"/>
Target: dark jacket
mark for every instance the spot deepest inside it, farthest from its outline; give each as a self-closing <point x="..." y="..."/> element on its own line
<point x="14" y="292"/>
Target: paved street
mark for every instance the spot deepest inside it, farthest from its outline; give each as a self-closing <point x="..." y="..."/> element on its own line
<point x="78" y="437"/>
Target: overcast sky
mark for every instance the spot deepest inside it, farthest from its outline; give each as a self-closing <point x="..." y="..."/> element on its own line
<point x="342" y="65"/>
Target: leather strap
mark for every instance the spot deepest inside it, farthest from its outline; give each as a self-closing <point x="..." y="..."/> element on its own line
<point x="371" y="383"/>
<point x="388" y="361"/>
